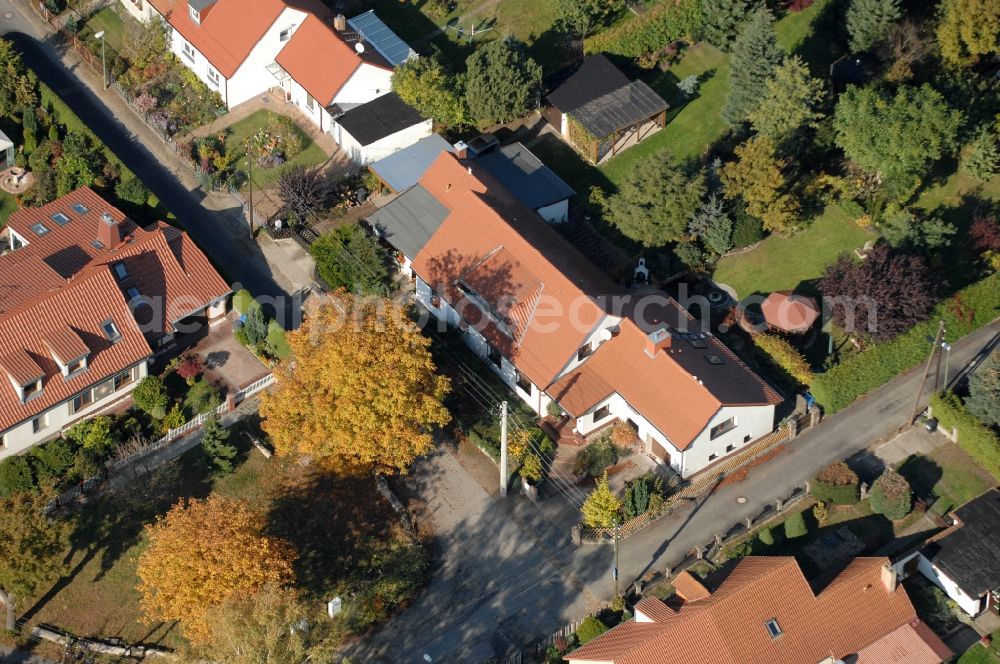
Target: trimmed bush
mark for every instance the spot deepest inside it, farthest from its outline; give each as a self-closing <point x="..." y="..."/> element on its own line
<point x="967" y="310"/>
<point x="765" y="536"/>
<point x="836" y="484"/>
<point x="795" y="526"/>
<point x="150" y="395"/>
<point x="891" y="495"/>
<point x="242" y="300"/>
<point x="785" y="356"/>
<point x="978" y="440"/>
<point x="15" y="475"/>
<point x="590" y="629"/>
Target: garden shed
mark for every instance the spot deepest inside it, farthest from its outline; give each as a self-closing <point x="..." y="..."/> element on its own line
<point x="600" y="111"/>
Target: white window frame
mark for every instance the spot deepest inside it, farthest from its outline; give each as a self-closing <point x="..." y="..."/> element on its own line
<point x="310" y="102"/>
<point x="286" y="34"/>
<point x="194" y="14"/>
<point x="40" y="423"/>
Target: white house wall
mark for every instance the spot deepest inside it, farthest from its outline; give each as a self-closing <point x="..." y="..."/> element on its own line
<point x="555" y="213"/>
<point x="366" y="83"/>
<point x="252" y="77"/>
<point x="140" y="10"/>
<point x="21" y="437"/>
<point x="392" y="143"/>
<point x="968" y="604"/>
<point x="318" y="115"/>
<point x="752" y="422"/>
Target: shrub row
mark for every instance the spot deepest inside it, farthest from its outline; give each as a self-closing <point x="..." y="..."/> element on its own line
<point x="967" y="310"/>
<point x="981" y="442"/>
<point x="785" y="356"/>
<point x="666" y="22"/>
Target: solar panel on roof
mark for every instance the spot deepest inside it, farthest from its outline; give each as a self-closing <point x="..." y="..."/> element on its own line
<point x="381" y="37"/>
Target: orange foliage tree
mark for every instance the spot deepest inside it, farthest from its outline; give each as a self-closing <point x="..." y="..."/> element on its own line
<point x="362" y="392"/>
<point x="202" y="553"/>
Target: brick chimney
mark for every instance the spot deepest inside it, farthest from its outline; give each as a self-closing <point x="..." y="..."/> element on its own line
<point x="461" y="150"/>
<point x="109" y="231"/>
<point x="658" y="340"/>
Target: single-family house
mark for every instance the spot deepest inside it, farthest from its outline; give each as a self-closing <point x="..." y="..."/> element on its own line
<point x="600" y="111"/>
<point x="556" y="329"/>
<point x="762" y="609"/>
<point x="324" y="64"/>
<point x="87" y="298"/>
<point x="964" y="559"/>
<point x="379" y="128"/>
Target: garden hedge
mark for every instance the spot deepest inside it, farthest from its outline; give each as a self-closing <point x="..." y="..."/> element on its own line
<point x="836" y="484"/>
<point x="967" y="310"/>
<point x="651" y="31"/>
<point x="590" y="629"/>
<point x="978" y="440"/>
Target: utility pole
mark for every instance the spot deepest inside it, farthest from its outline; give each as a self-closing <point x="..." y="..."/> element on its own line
<point x="503" y="449"/>
<point x="618" y="537"/>
<point x="927" y="368"/>
<point x="250" y="186"/>
<point x="947" y="359"/>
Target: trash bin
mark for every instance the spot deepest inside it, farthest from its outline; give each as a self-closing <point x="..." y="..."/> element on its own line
<point x="931" y="425"/>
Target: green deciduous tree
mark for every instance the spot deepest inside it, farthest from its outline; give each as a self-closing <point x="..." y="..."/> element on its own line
<point x="723" y="20"/>
<point x="891" y="495"/>
<point x="95" y="435"/>
<point x="31" y="549"/>
<point x="349" y="258"/>
<point x="77" y="167"/>
<point x="132" y="190"/>
<point x="791" y="102"/>
<point x="15" y="475"/>
<point x="502" y="82"/>
<point x="655" y="202"/>
<point x="590" y="629"/>
<point x="150" y="395"/>
<point x="969" y="29"/>
<point x="427" y="85"/>
<point x="755" y="57"/>
<point x="984" y="391"/>
<point x="896" y="137"/>
<point x="758" y="178"/>
<point x="869" y="22"/>
<point x="581" y="17"/>
<point x="982" y="156"/>
<point x="601" y="509"/>
<point x="713" y="225"/>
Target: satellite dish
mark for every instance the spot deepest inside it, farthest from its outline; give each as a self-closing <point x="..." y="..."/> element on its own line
<point x="359" y="47"/>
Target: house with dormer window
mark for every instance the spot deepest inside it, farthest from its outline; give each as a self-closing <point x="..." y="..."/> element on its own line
<point x="558" y="331"/>
<point x="87" y="300"/>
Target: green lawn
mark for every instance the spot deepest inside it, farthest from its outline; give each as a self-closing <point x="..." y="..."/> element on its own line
<point x="311" y="154"/>
<point x="111" y="22"/>
<point x="779" y="263"/>
<point x="691" y="128"/>
<point x="7" y="207"/>
<point x="947" y="476"/>
<point x="977" y="654"/>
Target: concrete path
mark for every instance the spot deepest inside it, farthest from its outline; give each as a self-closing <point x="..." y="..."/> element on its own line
<point x="510" y="575"/>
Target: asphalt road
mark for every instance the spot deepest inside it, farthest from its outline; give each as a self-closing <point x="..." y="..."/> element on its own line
<point x="509" y="574"/>
<point x="214" y="221"/>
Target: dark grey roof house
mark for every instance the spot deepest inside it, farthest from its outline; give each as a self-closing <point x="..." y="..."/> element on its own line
<point x="602" y="112"/>
<point x="964" y="560"/>
<point x="379" y="128"/>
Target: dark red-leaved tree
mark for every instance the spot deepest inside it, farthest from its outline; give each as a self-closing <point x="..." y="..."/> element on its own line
<point x="984" y="233"/>
<point x="880" y="297"/>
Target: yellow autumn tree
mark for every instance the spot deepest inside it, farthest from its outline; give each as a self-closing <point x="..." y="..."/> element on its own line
<point x="362" y="393"/>
<point x="204" y="552"/>
<point x="758" y="177"/>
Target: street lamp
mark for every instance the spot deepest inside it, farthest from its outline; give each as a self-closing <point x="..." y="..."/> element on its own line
<point x="104" y="62"/>
<point x="947" y="356"/>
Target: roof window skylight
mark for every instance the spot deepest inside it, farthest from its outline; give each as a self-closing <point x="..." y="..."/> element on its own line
<point x="80" y="208"/>
<point x="60" y="218"/>
<point x="111" y="330"/>
<point x="39" y="228"/>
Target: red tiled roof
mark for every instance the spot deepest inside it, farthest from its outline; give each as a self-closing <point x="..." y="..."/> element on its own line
<point x="318" y="59"/>
<point x="789" y="311"/>
<point x="82" y="305"/>
<point x="20" y="367"/>
<point x="729" y="626"/>
<point x="230" y="29"/>
<point x="912" y="643"/>
<point x="80" y="285"/>
<point x="552" y="299"/>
